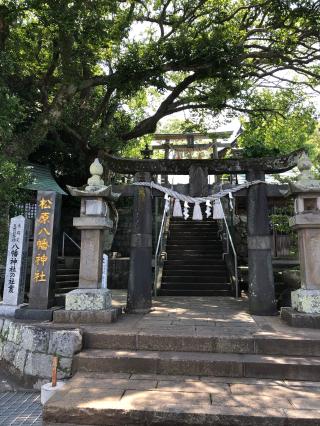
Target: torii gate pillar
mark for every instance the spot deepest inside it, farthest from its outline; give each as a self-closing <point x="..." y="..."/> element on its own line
<point x="261" y="283"/>
<point x="140" y="277"/>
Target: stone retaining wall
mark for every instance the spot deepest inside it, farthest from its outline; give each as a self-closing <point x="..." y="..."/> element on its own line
<point x="27" y="350"/>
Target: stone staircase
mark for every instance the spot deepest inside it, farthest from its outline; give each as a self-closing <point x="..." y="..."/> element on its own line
<point x="148" y="379"/>
<point x="194" y="265"/>
<point x="67" y="277"/>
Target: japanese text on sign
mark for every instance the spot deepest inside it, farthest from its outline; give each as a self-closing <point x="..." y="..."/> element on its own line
<point x="42" y="239"/>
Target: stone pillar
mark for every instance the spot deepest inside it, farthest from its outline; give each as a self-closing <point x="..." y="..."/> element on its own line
<point x="198" y="186"/>
<point x="260" y="274"/>
<point x="93" y="222"/>
<point x="44" y="258"/>
<point x="305" y="310"/>
<point x="140" y="276"/>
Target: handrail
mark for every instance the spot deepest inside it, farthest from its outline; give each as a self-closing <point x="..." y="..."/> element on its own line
<point x="64" y="235"/>
<point x="230" y="241"/>
<point x="165" y="215"/>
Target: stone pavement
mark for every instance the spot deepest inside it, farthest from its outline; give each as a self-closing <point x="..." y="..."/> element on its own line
<point x="201" y="316"/>
<point x="164" y="368"/>
<point x="122" y="398"/>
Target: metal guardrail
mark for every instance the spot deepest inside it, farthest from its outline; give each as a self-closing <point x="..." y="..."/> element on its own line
<point x="157" y="256"/>
<point x="229" y="242"/>
<point x="64" y="236"/>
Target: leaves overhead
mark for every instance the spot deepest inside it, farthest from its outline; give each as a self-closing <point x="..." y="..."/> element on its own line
<point x="80" y="77"/>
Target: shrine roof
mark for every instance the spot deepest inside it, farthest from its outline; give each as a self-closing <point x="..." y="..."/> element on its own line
<point x="42" y="179"/>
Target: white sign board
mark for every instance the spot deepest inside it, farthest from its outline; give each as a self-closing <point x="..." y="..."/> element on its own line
<point x="104" y="271"/>
<point x="16" y="267"/>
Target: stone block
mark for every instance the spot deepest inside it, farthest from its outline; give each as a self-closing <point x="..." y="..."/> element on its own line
<point x="234" y="345"/>
<point x="5" y="329"/>
<point x="38" y="365"/>
<point x="8" y="310"/>
<point x="20" y="360"/>
<point x="9" y="351"/>
<point x="307" y="301"/>
<point x="29" y="314"/>
<point x="292" y="347"/>
<point x="14" y="334"/>
<point x="300" y="319"/>
<point x="87" y="317"/>
<point x="64" y="368"/>
<point x="35" y="339"/>
<point x="298" y="370"/>
<point x="65" y="342"/>
<point x="88" y="300"/>
<point x="110" y="341"/>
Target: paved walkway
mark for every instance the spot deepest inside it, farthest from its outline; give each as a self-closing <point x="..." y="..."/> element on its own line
<point x="202" y="316"/>
<point x="201" y="324"/>
<point x="234" y="401"/>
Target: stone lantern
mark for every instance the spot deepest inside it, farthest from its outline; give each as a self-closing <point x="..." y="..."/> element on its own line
<point x="93" y="221"/>
<point x="305" y="311"/>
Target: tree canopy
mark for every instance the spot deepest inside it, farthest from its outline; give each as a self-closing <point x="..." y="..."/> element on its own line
<point x="280" y="122"/>
<point x="79" y="77"/>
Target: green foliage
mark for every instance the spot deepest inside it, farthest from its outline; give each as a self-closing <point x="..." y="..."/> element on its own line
<point x="280" y="223"/>
<point x="177" y="125"/>
<point x="80" y="79"/>
<point x="281" y="122"/>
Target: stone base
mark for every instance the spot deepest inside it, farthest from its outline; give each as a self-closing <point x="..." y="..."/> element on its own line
<point x="300" y="319"/>
<point x="87" y="317"/>
<point x="85" y="299"/>
<point x="36" y="314"/>
<point x="10" y="310"/>
<point x="306" y="301"/>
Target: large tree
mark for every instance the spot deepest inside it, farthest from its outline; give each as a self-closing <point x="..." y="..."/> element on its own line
<point x="280" y="121"/>
<point x="83" y="76"/>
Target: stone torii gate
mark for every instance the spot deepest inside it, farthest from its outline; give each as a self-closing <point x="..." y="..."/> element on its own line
<point x="261" y="283"/>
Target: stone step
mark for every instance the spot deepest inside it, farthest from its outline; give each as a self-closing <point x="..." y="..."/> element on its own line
<point x="198" y="364"/>
<point x="190" y="222"/>
<point x="66" y="277"/>
<point x="203" y="278"/>
<point x="194" y="232"/>
<point x="71" y="286"/>
<point x="120" y="399"/>
<point x="205" y="256"/>
<point x="66" y="271"/>
<point x="190" y="242"/>
<point x="194" y="247"/>
<point x="169" y="284"/>
<point x="198" y="292"/>
<point x="103" y="338"/>
<point x="196" y="252"/>
<point x="194" y="263"/>
<point x="221" y="272"/>
<point x="193" y="227"/>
